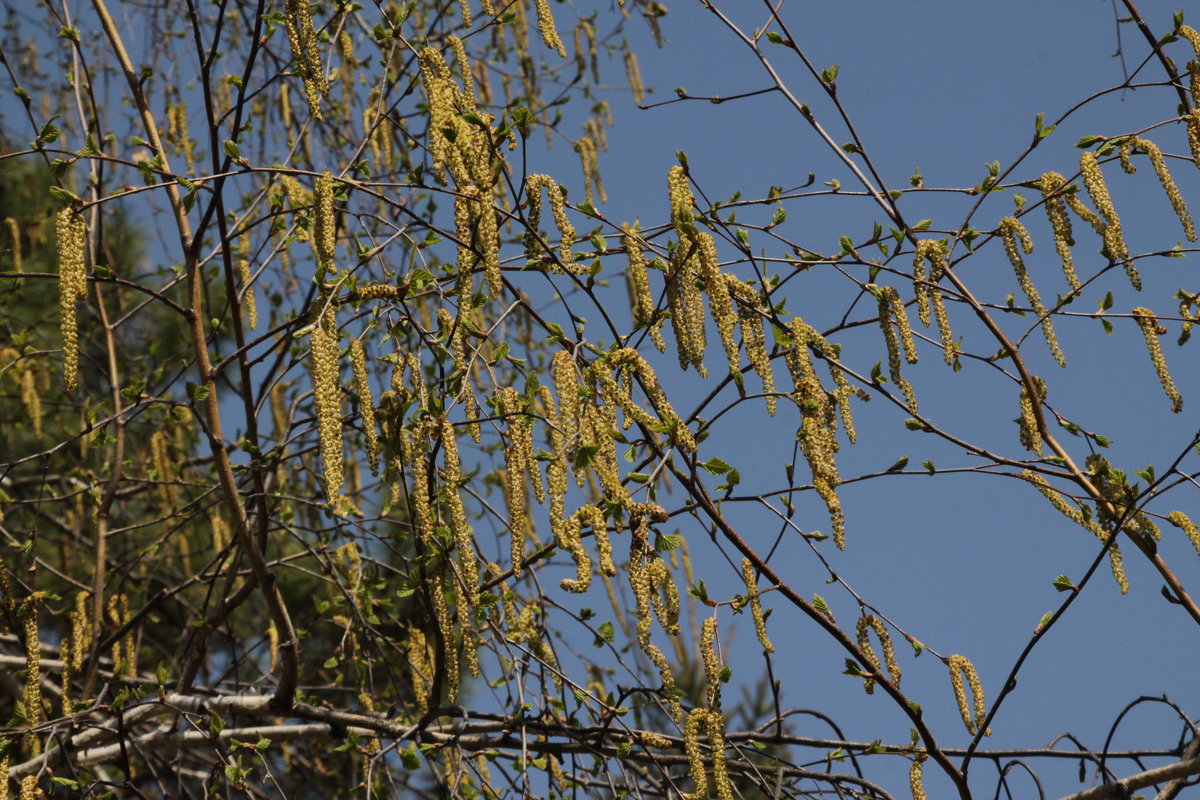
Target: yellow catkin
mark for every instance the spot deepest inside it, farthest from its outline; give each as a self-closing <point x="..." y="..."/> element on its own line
<point x="30" y="789"/>
<point x="14" y="239"/>
<point x="243" y="267"/>
<point x="1114" y="239"/>
<point x="518" y="461"/>
<point x="557" y="467"/>
<point x="302" y="37"/>
<point x="664" y="596"/>
<point x="1193" y="134"/>
<point x="633" y="74"/>
<point x="545" y="24"/>
<point x="324" y="236"/>
<point x="1073" y="513"/>
<point x="74" y="647"/>
<point x="70" y="236"/>
<point x="1181" y="521"/>
<point x="1189" y="33"/>
<point x="366" y="403"/>
<point x="712" y="666"/>
<point x="893" y="317"/>
<point x="487" y="240"/>
<point x="1155" y="155"/>
<point x="31" y="398"/>
<point x="1052" y="185"/>
<point x="628" y="357"/>
<point x="817" y="438"/>
<point x="449" y="645"/>
<point x="916" y="780"/>
<point x="680" y="195"/>
<point x="415" y="455"/>
<point x="1016" y="239"/>
<point x="926" y="250"/>
<point x="163" y="463"/>
<point x="465" y="8"/>
<point x="417" y="647"/>
<point x="687" y="306"/>
<point x="464" y="539"/>
<point x="696" y="721"/>
<point x="716" y="743"/>
<point x="641" y="298"/>
<point x="327" y="399"/>
<point x="558" y="207"/>
<point x="593" y="187"/>
<point x="720" y="303"/>
<point x="760" y="625"/>
<point x="32" y="696"/>
<point x="569" y="539"/>
<point x="1151" y="330"/>
<point x="960" y="666"/>
<point x="754" y="342"/>
<point x="869" y="623"/>
<point x="570" y="406"/>
<point x="1031" y="438"/>
<point x="586" y="52"/>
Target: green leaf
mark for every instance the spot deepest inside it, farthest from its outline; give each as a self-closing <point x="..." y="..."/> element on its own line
<point x="830" y="73"/>
<point x="1063" y="584"/>
<point x="820" y="605"/>
<point x="665" y="542"/>
<point x="928" y="464"/>
<point x="774" y="38"/>
<point x="231" y="149"/>
<point x="1087" y="141"/>
<point x="923" y="225"/>
<point x="197" y="393"/>
<point x="900" y="464"/>
<point x="715" y="466"/>
<point x="409" y="758"/>
<point x="853" y="669"/>
<point x="914" y="424"/>
<point x="61" y="193"/>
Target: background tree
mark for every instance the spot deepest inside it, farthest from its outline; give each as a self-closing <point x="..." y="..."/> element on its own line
<point x="357" y="443"/>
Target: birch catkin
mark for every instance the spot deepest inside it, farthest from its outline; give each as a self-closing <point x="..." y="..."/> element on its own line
<point x="960" y="666"/>
<point x="1052" y="185"/>
<point x="302" y="36"/>
<point x="1016" y="238"/>
<point x="1114" y="239"/>
<point x="1151" y="330"/>
<point x="327" y="397"/>
<point x="70" y="235"/>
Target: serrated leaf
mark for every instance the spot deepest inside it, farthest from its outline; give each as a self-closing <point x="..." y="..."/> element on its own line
<point x="197" y="393"/>
<point x="1063" y="584"/>
<point x="715" y="466"/>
